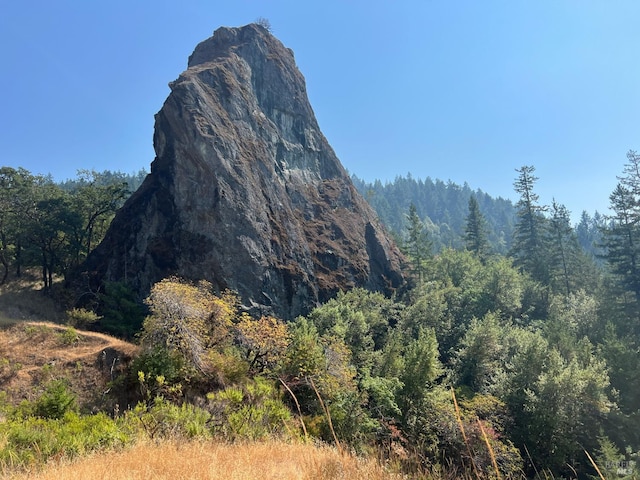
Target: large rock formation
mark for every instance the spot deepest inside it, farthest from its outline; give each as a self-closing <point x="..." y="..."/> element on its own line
<point x="245" y="191"/>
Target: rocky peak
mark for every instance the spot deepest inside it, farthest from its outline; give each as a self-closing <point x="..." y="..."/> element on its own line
<point x="245" y="191"/>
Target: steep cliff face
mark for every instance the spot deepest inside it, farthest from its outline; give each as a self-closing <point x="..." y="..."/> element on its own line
<point x="245" y="191"/>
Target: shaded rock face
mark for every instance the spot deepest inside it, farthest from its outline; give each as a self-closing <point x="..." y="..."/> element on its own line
<point x="245" y="191"/>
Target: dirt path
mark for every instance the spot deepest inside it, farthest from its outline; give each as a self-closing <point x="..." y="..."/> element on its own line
<point x="89" y="344"/>
<point x="34" y="353"/>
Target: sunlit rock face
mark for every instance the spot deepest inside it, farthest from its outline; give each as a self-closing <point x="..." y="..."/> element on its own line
<point x="245" y="191"/>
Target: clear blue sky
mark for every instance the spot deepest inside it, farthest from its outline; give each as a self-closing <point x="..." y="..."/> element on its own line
<point x="461" y="90"/>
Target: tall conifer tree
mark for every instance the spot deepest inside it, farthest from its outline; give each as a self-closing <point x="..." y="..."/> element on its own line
<point x="476" y="231"/>
<point x="564" y="247"/>
<point x="622" y="234"/>
<point x="418" y="245"/>
<point x="529" y="234"/>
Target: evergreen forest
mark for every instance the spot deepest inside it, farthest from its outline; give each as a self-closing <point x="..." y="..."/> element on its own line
<point x="514" y="352"/>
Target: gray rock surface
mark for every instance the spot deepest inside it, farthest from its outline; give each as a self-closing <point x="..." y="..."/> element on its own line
<point x="245" y="191"/>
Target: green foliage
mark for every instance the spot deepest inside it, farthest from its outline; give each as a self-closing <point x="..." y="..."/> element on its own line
<point x="121" y="312"/>
<point x="228" y="365"/>
<point x="54" y="402"/>
<point x="589" y="234"/>
<point x="33" y="440"/>
<point x="475" y="237"/>
<point x="565" y="252"/>
<point x="417" y="245"/>
<point x="54" y="228"/>
<point x="165" y="420"/>
<point x="550" y="397"/>
<point x="421" y="368"/>
<point x="69" y="336"/>
<point x="251" y="411"/>
<point x="621" y="239"/>
<point x="459" y="288"/>
<point x="614" y="464"/>
<point x="529" y="247"/>
<point x="81" y="318"/>
<point x="305" y="356"/>
<point x="156" y="372"/>
<point x="349" y="351"/>
<point x="442" y="206"/>
<point x="479" y="358"/>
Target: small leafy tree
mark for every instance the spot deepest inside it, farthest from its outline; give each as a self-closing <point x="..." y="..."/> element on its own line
<point x="185" y="318"/>
<point x="421" y="368"/>
<point x="478" y="361"/>
<point x="264" y="341"/>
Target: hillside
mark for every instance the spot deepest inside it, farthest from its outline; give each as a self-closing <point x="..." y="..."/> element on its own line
<point x="269" y="304"/>
<point x="442" y="206"/>
<point x="36" y="351"/>
<point x="35" y="354"/>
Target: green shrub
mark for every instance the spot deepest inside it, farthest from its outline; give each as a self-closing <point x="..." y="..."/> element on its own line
<point x="33" y="440"/>
<point x="69" y="336"/>
<point x="250" y="412"/>
<point x="228" y="367"/>
<point x="81" y="318"/>
<point x="122" y="312"/>
<point x="54" y="403"/>
<point x="157" y="372"/>
<point x="164" y="419"/>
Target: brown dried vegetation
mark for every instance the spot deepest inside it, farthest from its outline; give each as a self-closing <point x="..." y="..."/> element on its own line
<point x="209" y="460"/>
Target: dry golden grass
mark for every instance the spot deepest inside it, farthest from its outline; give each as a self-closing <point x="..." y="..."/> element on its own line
<point x="210" y="460"/>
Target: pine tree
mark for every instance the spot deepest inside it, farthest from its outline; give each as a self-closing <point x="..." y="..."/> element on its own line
<point x="622" y="238"/>
<point x="621" y="235"/>
<point x="563" y="246"/>
<point x="529" y="243"/>
<point x="476" y="231"/>
<point x="418" y="245"/>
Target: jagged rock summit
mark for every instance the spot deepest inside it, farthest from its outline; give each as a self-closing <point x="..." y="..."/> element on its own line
<point x="245" y="191"/>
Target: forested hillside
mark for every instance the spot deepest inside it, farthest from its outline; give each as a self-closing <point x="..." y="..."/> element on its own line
<point x="443" y="208"/>
<point x="518" y="363"/>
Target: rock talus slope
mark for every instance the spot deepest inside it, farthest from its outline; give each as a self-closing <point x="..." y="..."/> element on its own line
<point x="245" y="191"/>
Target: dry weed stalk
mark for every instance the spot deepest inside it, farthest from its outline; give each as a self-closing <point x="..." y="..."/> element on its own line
<point x="491" y="453"/>
<point x="464" y="435"/>
<point x="326" y="412"/>
<point x="295" y="399"/>
<point x="594" y="465"/>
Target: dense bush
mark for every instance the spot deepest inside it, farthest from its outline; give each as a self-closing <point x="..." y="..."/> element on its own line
<point x="33" y="440"/>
